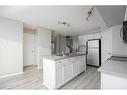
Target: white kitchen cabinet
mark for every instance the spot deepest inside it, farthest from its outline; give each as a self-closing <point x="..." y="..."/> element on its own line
<point x="58" y="72"/>
<point x="75" y="67"/>
<point x="81" y="63"/>
<point x="68" y="71"/>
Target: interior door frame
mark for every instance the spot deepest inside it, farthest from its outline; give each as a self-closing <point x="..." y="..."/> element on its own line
<point x="33" y="48"/>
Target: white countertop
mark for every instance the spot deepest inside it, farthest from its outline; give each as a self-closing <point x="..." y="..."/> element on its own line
<point x="54" y="57"/>
<point x="114" y="67"/>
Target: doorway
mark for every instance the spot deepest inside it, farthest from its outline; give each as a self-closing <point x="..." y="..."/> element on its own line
<point x="28" y="48"/>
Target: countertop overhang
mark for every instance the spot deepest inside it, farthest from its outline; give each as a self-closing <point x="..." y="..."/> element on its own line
<point x="114" y="67"/>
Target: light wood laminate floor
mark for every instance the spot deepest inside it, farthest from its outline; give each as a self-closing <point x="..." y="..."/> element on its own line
<point x="33" y="79"/>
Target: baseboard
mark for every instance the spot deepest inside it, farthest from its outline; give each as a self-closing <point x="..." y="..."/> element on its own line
<point x="9" y="75"/>
<point x="29" y="65"/>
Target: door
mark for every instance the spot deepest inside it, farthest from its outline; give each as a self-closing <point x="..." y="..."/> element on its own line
<point x="68" y="71"/>
<point x="28" y="49"/>
<point x="106" y="45"/>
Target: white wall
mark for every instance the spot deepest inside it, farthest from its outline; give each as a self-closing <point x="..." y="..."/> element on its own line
<point x="75" y="42"/>
<point x="43" y="44"/>
<point x="11" y="47"/>
<point x="112" y="43"/>
<point x="82" y="39"/>
<point x="118" y="46"/>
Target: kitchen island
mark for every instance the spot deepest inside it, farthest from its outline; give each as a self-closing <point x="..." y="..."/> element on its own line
<point x="58" y="70"/>
<point x="114" y="74"/>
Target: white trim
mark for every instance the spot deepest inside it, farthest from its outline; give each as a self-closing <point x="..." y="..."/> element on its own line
<point x="39" y="67"/>
<point x="49" y="86"/>
<point x="9" y="75"/>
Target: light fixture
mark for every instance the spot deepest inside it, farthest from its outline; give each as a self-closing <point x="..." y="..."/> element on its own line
<point x="90" y="12"/>
<point x="63" y="23"/>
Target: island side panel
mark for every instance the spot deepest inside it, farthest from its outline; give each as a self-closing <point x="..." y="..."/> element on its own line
<point x="49" y="73"/>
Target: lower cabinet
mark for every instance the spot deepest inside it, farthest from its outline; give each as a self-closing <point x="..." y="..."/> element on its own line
<point x="68" y="71"/>
<point x="81" y="60"/>
<point x="58" y="72"/>
<point x="59" y="75"/>
<point x="69" y="68"/>
<point x="75" y="67"/>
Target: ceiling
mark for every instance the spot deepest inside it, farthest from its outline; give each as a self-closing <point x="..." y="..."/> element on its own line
<point x="112" y="15"/>
<point x="48" y="17"/>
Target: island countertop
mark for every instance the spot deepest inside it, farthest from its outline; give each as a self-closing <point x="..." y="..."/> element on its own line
<point x="54" y="57"/>
<point x="115" y="67"/>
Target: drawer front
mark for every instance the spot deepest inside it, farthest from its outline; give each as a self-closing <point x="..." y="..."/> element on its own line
<point x="65" y="60"/>
<point x="59" y="63"/>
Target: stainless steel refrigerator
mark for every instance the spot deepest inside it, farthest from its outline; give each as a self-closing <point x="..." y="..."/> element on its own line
<point x="93" y="56"/>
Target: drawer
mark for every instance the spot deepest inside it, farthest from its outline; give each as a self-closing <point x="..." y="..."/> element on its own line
<point x="65" y="60"/>
<point x="59" y="62"/>
<point x="71" y="59"/>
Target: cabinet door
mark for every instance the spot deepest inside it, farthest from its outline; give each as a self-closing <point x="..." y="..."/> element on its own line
<point x="75" y="67"/>
<point x="68" y="71"/>
<point x="81" y="63"/>
<point x="59" y="75"/>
